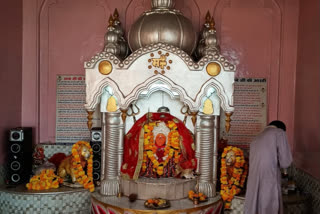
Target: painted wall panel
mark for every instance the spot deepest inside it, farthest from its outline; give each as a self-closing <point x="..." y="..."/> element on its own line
<point x="307" y="112"/>
<point x="70" y="33"/>
<point x="10" y="74"/>
<point x="250" y="35"/>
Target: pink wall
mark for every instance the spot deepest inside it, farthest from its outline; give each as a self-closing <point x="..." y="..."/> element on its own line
<point x="10" y="74"/>
<point x="258" y="36"/>
<point x="307" y="112"/>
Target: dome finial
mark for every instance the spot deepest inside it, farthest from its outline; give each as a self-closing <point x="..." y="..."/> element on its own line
<point x="162" y="4"/>
<point x="212" y="24"/>
<point x="110" y="21"/>
<point x="208" y="17"/>
<point x="116" y="15"/>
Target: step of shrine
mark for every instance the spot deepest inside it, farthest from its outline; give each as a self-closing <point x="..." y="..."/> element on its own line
<point x="167" y="188"/>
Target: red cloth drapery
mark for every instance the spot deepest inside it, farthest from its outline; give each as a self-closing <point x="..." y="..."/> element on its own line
<point x="132" y="160"/>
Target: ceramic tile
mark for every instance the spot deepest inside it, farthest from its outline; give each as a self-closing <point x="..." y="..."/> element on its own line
<point x="45" y="203"/>
<point x="84" y="211"/>
<point x="237" y="206"/>
<point x="50" y="150"/>
<point x="309" y="185"/>
<point x="306" y="184"/>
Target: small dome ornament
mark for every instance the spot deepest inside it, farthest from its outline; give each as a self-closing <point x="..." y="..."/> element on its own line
<point x="162" y="24"/>
<point x="116" y="23"/>
<point x="208" y="40"/>
<point x="114" y="38"/>
<point x="111" y="35"/>
<point x="206" y="26"/>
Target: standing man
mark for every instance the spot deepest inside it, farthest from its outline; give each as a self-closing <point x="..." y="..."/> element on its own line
<point x="269" y="152"/>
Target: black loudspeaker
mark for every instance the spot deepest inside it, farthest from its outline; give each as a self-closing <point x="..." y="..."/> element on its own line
<point x="19" y="156"/>
<point x="95" y="142"/>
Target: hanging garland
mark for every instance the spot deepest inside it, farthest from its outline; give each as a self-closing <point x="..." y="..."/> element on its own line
<point x="172" y="148"/>
<point x="232" y="186"/>
<point x="84" y="179"/>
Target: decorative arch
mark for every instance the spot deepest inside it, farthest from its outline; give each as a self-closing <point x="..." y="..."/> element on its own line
<point x="233" y="49"/>
<point x="166" y="85"/>
<point x="47" y="50"/>
<point x="133" y="10"/>
<point x="190" y="9"/>
<point x="147" y="86"/>
<point x="94" y="100"/>
<point x="225" y="105"/>
<point x="124" y="101"/>
<point x="214" y="99"/>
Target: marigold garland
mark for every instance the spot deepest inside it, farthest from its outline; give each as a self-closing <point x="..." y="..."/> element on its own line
<point x="84" y="179"/>
<point x="45" y="180"/>
<point x="232" y="186"/>
<point x="200" y="195"/>
<point x="172" y="148"/>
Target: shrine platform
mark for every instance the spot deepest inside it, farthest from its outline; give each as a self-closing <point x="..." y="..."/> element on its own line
<point x="119" y="205"/>
<point x="168" y="188"/>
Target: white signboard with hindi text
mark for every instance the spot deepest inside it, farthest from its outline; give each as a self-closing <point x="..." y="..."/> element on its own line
<point x="71" y="116"/>
<point x="250" y="115"/>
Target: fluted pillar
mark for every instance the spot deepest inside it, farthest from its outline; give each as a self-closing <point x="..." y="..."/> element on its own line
<point x="111" y="133"/>
<point x="215" y="151"/>
<point x="206" y="185"/>
<point x="197" y="143"/>
<point x="120" y="147"/>
<point x="103" y="146"/>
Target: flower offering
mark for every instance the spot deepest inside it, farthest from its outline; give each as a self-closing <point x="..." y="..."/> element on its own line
<point x="45" y="180"/>
<point x="234" y="170"/>
<point x="82" y="177"/>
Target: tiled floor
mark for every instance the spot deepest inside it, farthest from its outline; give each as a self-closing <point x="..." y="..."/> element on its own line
<point x="309" y="185"/>
<point x="293" y="204"/>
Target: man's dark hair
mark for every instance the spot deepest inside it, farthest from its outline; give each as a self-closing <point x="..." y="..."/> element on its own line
<point x="279" y="124"/>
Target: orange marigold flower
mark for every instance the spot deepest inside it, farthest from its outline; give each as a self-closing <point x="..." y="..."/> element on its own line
<point x="229" y="186"/>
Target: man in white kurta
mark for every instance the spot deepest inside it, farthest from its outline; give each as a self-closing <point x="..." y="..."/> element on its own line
<point x="269" y="152"/>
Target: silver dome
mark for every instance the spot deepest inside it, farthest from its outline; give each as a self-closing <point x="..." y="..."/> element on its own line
<point x="165" y="25"/>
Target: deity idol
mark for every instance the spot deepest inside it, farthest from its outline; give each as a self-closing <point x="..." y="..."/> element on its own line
<point x="158" y="145"/>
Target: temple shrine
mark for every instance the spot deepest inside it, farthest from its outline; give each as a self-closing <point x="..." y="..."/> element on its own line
<point x="159" y="107"/>
<point x="172" y="75"/>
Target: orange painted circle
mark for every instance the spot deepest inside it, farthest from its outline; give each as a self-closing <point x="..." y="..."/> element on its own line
<point x="105" y="67"/>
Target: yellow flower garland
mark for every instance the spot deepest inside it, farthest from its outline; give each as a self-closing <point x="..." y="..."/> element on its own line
<point x="231" y="187"/>
<point x="192" y="194"/>
<point x="45" y="180"/>
<point x="82" y="178"/>
<point x="171" y="149"/>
